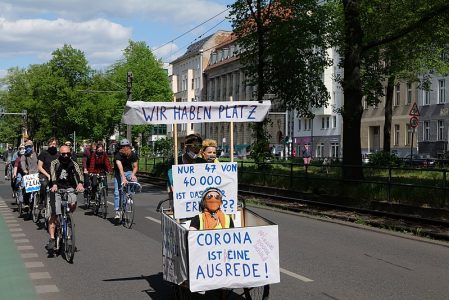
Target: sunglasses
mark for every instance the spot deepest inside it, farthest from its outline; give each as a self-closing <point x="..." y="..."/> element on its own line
<point x="196" y="146"/>
<point x="216" y="196"/>
<point x="65" y="153"/>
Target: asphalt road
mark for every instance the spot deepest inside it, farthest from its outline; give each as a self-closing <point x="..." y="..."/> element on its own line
<point x="319" y="259"/>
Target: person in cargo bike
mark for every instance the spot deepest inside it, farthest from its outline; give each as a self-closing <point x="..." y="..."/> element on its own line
<point x="211" y="216"/>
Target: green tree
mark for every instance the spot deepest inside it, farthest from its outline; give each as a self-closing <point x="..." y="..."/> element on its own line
<point x="150" y="82"/>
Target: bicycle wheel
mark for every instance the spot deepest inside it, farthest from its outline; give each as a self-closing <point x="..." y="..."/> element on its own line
<point x="257" y="293"/>
<point x="103" y="203"/>
<point x="128" y="212"/>
<point x="69" y="238"/>
<point x="35" y="211"/>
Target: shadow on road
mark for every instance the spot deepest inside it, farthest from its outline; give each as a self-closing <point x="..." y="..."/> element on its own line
<point x="158" y="288"/>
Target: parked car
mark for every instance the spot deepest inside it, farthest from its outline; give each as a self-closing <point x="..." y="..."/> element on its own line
<point x="418" y="161"/>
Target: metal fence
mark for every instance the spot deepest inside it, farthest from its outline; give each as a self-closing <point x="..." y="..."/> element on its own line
<point x="422" y="187"/>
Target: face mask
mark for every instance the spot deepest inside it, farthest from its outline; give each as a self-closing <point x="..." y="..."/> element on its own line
<point x="100" y="152"/>
<point x="52" y="150"/>
<point x="211" y="158"/>
<point x="28" y="150"/>
<point x="22" y="152"/>
<point x="64" y="159"/>
<point x="192" y="155"/>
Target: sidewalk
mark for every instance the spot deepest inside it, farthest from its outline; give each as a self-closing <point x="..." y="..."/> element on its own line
<point x="15" y="282"/>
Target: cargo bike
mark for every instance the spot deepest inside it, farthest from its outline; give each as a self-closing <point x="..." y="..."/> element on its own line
<point x="229" y="263"/>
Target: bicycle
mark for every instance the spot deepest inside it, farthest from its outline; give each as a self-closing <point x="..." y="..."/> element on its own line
<point x="127" y="203"/>
<point x="9" y="168"/>
<point x="100" y="204"/>
<point x="39" y="209"/>
<point x="65" y="228"/>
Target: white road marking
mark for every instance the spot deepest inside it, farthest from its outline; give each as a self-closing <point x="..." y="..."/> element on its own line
<point x="20" y="241"/>
<point x="153" y="219"/>
<point x="16" y="235"/>
<point x="15" y="229"/>
<point x="29" y="255"/>
<point x="40" y="275"/>
<point x="110" y="203"/>
<point x="294" y="275"/>
<point x="12" y="225"/>
<point x="44" y="289"/>
<point x="11" y="221"/>
<point x="34" y="264"/>
<point x="21" y="248"/>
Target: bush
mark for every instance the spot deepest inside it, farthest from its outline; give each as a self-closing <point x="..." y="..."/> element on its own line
<point x="382" y="158"/>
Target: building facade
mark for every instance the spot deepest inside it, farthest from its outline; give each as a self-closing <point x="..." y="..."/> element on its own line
<point x="187" y="77"/>
<point x="224" y="79"/>
<point x="324" y="132"/>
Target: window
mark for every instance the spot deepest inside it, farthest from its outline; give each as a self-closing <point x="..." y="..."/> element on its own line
<point x="441" y="91"/>
<point x="440" y="130"/>
<point x="334" y="121"/>
<point x="408" y="139"/>
<point x="426" y="133"/>
<point x="193" y="83"/>
<point x="396" y="134"/>
<point x="299" y="125"/>
<point x="319" y="150"/>
<point x="397" y="96"/>
<point x="409" y="93"/>
<point x="307" y="124"/>
<point x="325" y="122"/>
<point x="426" y="97"/>
<point x="334" y="150"/>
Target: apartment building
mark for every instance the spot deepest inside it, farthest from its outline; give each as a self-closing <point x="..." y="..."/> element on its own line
<point x="224" y="79"/>
<point x="433" y="125"/>
<point x="187" y="77"/>
<point x="324" y="132"/>
<point x="403" y="137"/>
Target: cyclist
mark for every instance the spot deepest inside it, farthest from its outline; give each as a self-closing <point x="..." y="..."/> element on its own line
<point x="211" y="216"/>
<point x="88" y="150"/>
<point x="99" y="164"/>
<point x="125" y="168"/>
<point x="43" y="164"/>
<point x="17" y="173"/>
<point x="28" y="163"/>
<point x="7" y="157"/>
<point x="65" y="174"/>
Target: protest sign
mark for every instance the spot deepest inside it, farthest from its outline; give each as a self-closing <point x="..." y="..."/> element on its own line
<point x="140" y="112"/>
<point x="32" y="183"/>
<point x="174" y="250"/>
<point x="233" y="258"/>
<point x="190" y="181"/>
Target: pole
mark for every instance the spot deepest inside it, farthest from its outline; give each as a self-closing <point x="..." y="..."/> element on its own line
<point x="74" y="141"/>
<point x="286" y="135"/>
<point x="129" y="93"/>
<point x="411" y="147"/>
<point x="232" y="136"/>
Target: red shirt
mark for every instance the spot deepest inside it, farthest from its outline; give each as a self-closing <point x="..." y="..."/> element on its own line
<point x="99" y="163"/>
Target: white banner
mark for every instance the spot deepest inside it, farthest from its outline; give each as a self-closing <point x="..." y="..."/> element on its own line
<point x="140" y="112"/>
<point x="233" y="258"/>
<point x="190" y="181"/>
<point x="32" y="183"/>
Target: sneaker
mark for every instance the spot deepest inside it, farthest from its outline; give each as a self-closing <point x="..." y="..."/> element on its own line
<point x="117" y="214"/>
<point x="51" y="244"/>
<point x="6" y="177"/>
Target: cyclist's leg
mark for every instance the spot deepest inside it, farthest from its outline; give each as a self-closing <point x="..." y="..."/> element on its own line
<point x="42" y="193"/>
<point x="94" y="185"/>
<point x="117" y="184"/>
<point x="6" y="169"/>
<point x="86" y="183"/>
<point x="19" y="187"/>
<point x="55" y="210"/>
<point x="71" y="200"/>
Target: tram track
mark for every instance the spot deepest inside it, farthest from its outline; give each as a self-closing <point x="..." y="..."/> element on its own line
<point x="433" y="228"/>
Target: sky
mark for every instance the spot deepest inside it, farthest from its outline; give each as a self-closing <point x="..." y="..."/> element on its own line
<point x="30" y="30"/>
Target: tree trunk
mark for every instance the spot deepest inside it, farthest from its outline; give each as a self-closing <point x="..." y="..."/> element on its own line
<point x="352" y="87"/>
<point x="388" y="113"/>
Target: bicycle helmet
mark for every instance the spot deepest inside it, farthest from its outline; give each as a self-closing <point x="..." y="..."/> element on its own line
<point x="124" y="142"/>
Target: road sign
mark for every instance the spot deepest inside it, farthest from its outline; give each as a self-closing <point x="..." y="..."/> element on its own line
<point x="414" y="111"/>
<point x="414" y="122"/>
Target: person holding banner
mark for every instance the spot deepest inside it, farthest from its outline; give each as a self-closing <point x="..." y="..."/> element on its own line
<point x="28" y="163"/>
<point x="211" y="216"/>
<point x="209" y="151"/>
<point x="192" y="147"/>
